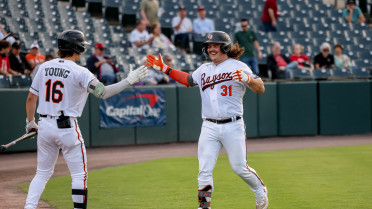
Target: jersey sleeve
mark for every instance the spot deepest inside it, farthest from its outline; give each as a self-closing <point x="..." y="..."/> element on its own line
<point x="35" y="86"/>
<point x="196" y="75"/>
<point x="86" y="77"/>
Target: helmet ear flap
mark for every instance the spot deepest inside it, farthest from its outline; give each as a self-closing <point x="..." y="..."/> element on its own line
<point x="225" y="48"/>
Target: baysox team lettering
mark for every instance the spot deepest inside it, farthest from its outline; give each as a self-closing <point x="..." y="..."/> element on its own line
<point x="58" y="72"/>
<point x="215" y="79"/>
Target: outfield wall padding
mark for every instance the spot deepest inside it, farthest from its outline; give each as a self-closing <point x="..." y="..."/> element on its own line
<point x="345" y="107"/>
<point x="13" y="119"/>
<point x="285" y="109"/>
<point x="268" y="111"/>
<point x="297" y="108"/>
<point x="189" y="113"/>
<point x="250" y="101"/>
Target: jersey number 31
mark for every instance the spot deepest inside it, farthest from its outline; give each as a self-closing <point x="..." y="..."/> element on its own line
<point x="226" y="90"/>
<point x="52" y="91"/>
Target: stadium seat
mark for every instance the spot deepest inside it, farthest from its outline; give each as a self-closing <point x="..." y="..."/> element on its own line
<point x="20" y="81"/>
<point x="94" y="7"/>
<point x="77" y="3"/>
<point x="4" y="81"/>
<point x="342" y="74"/>
<point x="111" y="9"/>
<point x="322" y="74"/>
<point x="362" y="73"/>
<point x="300" y="75"/>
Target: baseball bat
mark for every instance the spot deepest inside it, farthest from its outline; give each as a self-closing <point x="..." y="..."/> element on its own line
<point x="12" y="143"/>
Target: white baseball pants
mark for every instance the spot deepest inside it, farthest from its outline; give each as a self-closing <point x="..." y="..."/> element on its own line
<point x="50" y="140"/>
<point x="232" y="137"/>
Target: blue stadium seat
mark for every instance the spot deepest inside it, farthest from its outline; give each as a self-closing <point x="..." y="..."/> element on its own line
<point x="20" y="81"/>
<point x="322" y="74"/>
<point x="300" y="75"/>
<point x="362" y="73"/>
<point x="342" y="74"/>
<point x="4" y="81"/>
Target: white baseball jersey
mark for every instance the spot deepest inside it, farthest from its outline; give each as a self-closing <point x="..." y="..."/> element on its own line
<point x="63" y="86"/>
<point x="222" y="97"/>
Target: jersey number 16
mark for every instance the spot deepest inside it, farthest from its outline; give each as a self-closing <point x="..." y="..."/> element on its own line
<point x="52" y="91"/>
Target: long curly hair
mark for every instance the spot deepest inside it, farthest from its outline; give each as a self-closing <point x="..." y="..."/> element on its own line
<point x="236" y="51"/>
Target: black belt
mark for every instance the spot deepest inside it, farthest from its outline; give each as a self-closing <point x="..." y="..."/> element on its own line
<point x="45" y="116"/>
<point x="228" y="120"/>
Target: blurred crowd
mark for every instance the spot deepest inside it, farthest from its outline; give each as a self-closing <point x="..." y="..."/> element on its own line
<point x="148" y="34"/>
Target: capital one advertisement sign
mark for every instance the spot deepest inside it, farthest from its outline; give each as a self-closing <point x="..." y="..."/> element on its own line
<point x="133" y="107"/>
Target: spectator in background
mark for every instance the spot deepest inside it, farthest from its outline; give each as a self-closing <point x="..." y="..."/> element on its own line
<point x="352" y="13"/>
<point x="160" y="40"/>
<point x="2" y="32"/>
<point x="168" y="60"/>
<point x="278" y="63"/>
<point x="149" y="12"/>
<point x="139" y="37"/>
<point x="182" y="27"/>
<point x="342" y="61"/>
<point x="34" y="58"/>
<point x="17" y="61"/>
<point x="247" y="39"/>
<point x="202" y="25"/>
<point x="270" y="15"/>
<point x="303" y="60"/>
<point x="154" y="77"/>
<point x="4" y="59"/>
<point x="324" y="60"/>
<point x="102" y="66"/>
<point x="48" y="56"/>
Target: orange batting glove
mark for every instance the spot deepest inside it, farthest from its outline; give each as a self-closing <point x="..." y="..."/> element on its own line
<point x="157" y="64"/>
<point x="239" y="76"/>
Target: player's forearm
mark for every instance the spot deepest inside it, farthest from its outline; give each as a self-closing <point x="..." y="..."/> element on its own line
<point x="179" y="76"/>
<point x="31" y="106"/>
<point x="114" y="89"/>
<point x="257" y="85"/>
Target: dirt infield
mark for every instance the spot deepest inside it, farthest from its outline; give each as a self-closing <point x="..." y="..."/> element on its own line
<point x="16" y="168"/>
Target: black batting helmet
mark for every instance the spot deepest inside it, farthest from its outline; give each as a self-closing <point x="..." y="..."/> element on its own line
<point x="72" y="40"/>
<point x="219" y="37"/>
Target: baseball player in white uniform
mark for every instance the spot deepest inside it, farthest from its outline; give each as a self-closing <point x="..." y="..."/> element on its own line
<point x="63" y="87"/>
<point x="222" y="85"/>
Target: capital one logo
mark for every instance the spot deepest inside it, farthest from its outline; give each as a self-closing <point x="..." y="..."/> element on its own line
<point x="140" y="111"/>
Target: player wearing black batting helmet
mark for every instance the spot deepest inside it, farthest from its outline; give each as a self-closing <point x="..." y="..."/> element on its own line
<point x="222" y="84"/>
<point x="72" y="40"/>
<point x="218" y="37"/>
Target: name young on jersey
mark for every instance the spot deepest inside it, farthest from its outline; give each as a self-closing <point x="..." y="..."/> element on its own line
<point x="58" y="72"/>
<point x="210" y="81"/>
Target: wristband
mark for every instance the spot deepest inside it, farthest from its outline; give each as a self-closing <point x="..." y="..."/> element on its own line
<point x="168" y="72"/>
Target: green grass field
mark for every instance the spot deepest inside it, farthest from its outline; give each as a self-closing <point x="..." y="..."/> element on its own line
<point x="334" y="178"/>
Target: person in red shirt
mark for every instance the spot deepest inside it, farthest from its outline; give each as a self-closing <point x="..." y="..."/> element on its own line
<point x="270" y="15"/>
<point x="303" y="60"/>
<point x="4" y="59"/>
